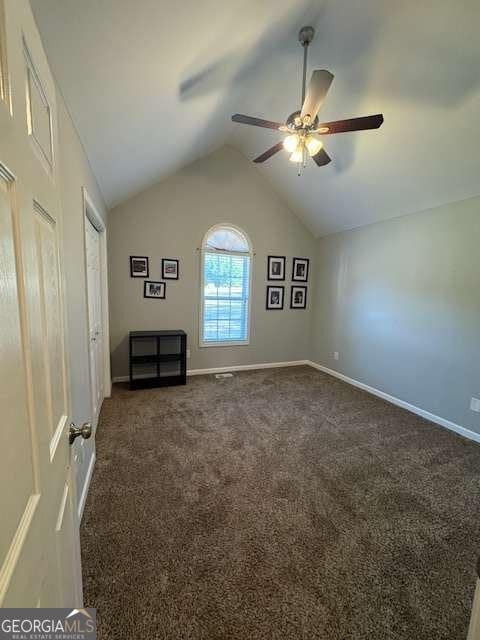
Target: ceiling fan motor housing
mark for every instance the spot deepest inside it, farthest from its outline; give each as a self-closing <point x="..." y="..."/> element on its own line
<point x="291" y="122"/>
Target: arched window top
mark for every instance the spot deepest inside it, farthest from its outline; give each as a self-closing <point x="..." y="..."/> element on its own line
<point x="226" y="261"/>
<point x="226" y="238"/>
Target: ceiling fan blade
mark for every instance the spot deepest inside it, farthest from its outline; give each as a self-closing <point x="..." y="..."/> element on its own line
<point x="256" y="122"/>
<point x="321" y="158"/>
<point x="269" y="152"/>
<point x="317" y="90"/>
<point x="353" y="124"/>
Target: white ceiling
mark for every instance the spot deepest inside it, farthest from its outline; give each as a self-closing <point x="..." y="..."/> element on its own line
<point x="151" y="86"/>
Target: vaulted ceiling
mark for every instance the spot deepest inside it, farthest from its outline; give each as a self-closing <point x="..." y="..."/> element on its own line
<point x="151" y="86"/>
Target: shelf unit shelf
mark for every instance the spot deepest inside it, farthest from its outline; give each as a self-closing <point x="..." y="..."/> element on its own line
<point x="164" y="357"/>
<point x="165" y="362"/>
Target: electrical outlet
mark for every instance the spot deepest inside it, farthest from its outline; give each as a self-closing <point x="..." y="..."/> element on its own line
<point x="335" y="355"/>
<point x="475" y="404"/>
<point x="188" y="353"/>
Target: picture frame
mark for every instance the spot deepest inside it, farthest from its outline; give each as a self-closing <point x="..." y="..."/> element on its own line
<point x="139" y="267"/>
<point x="276" y="267"/>
<point x="153" y="289"/>
<point x="275" y="296"/>
<point x="170" y="268"/>
<point x="298" y="297"/>
<point x="300" y="269"/>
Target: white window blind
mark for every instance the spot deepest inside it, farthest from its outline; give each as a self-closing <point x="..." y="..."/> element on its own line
<point x="226" y="284"/>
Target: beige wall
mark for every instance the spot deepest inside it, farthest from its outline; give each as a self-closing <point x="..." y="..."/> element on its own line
<point x="75" y="173"/>
<point x="400" y="302"/>
<point x="169" y="220"/>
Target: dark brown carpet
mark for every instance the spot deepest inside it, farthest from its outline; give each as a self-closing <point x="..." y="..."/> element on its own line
<point x="280" y="504"/>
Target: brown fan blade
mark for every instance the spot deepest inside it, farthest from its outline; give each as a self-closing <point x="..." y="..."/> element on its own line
<point x="256" y="122"/>
<point x="317" y="90"/>
<point x="269" y="152"/>
<point x="321" y="158"/>
<point x="353" y="124"/>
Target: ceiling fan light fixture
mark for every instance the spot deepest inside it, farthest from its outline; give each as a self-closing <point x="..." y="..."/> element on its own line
<point x="313" y="145"/>
<point x="291" y="142"/>
<point x="297" y="155"/>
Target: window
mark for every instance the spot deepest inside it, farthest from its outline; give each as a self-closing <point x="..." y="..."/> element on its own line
<point x="225" y="289"/>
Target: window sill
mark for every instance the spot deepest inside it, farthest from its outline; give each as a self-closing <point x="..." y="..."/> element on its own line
<point x="242" y="343"/>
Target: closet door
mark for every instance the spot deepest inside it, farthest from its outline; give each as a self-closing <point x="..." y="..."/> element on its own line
<point x="92" y="240"/>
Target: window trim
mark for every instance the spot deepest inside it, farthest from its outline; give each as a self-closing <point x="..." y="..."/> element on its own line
<point x="203" y="251"/>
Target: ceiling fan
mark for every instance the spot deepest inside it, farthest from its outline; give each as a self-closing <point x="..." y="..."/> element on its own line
<point x="303" y="127"/>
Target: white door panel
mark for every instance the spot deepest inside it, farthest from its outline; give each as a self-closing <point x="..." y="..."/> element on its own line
<point x="47" y="263"/>
<point x="20" y="506"/>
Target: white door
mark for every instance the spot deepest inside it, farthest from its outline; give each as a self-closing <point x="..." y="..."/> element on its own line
<point x="474" y="629"/>
<point x="94" y="284"/>
<point x="39" y="542"/>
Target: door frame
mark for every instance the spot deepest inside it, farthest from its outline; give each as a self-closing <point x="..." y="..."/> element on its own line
<point x="90" y="213"/>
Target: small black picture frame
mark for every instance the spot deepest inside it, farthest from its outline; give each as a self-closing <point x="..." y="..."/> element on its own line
<point x="276" y="268"/>
<point x="300" y="269"/>
<point x="170" y="268"/>
<point x="275" y="296"/>
<point x="153" y="289"/>
<point x="298" y="297"/>
<point x="139" y="267"/>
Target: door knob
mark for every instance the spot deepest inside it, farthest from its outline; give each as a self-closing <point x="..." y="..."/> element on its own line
<point x="85" y="431"/>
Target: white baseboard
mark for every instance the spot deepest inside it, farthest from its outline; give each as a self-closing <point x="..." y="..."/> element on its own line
<point x="237" y="367"/>
<point x="247" y="367"/>
<point x="463" y="431"/>
<point x="86" y="485"/>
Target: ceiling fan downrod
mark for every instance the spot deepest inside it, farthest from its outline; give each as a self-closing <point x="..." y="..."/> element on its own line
<point x="305" y="36"/>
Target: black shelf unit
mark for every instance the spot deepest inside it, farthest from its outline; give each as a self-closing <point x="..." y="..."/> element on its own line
<point x="157" y="358"/>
